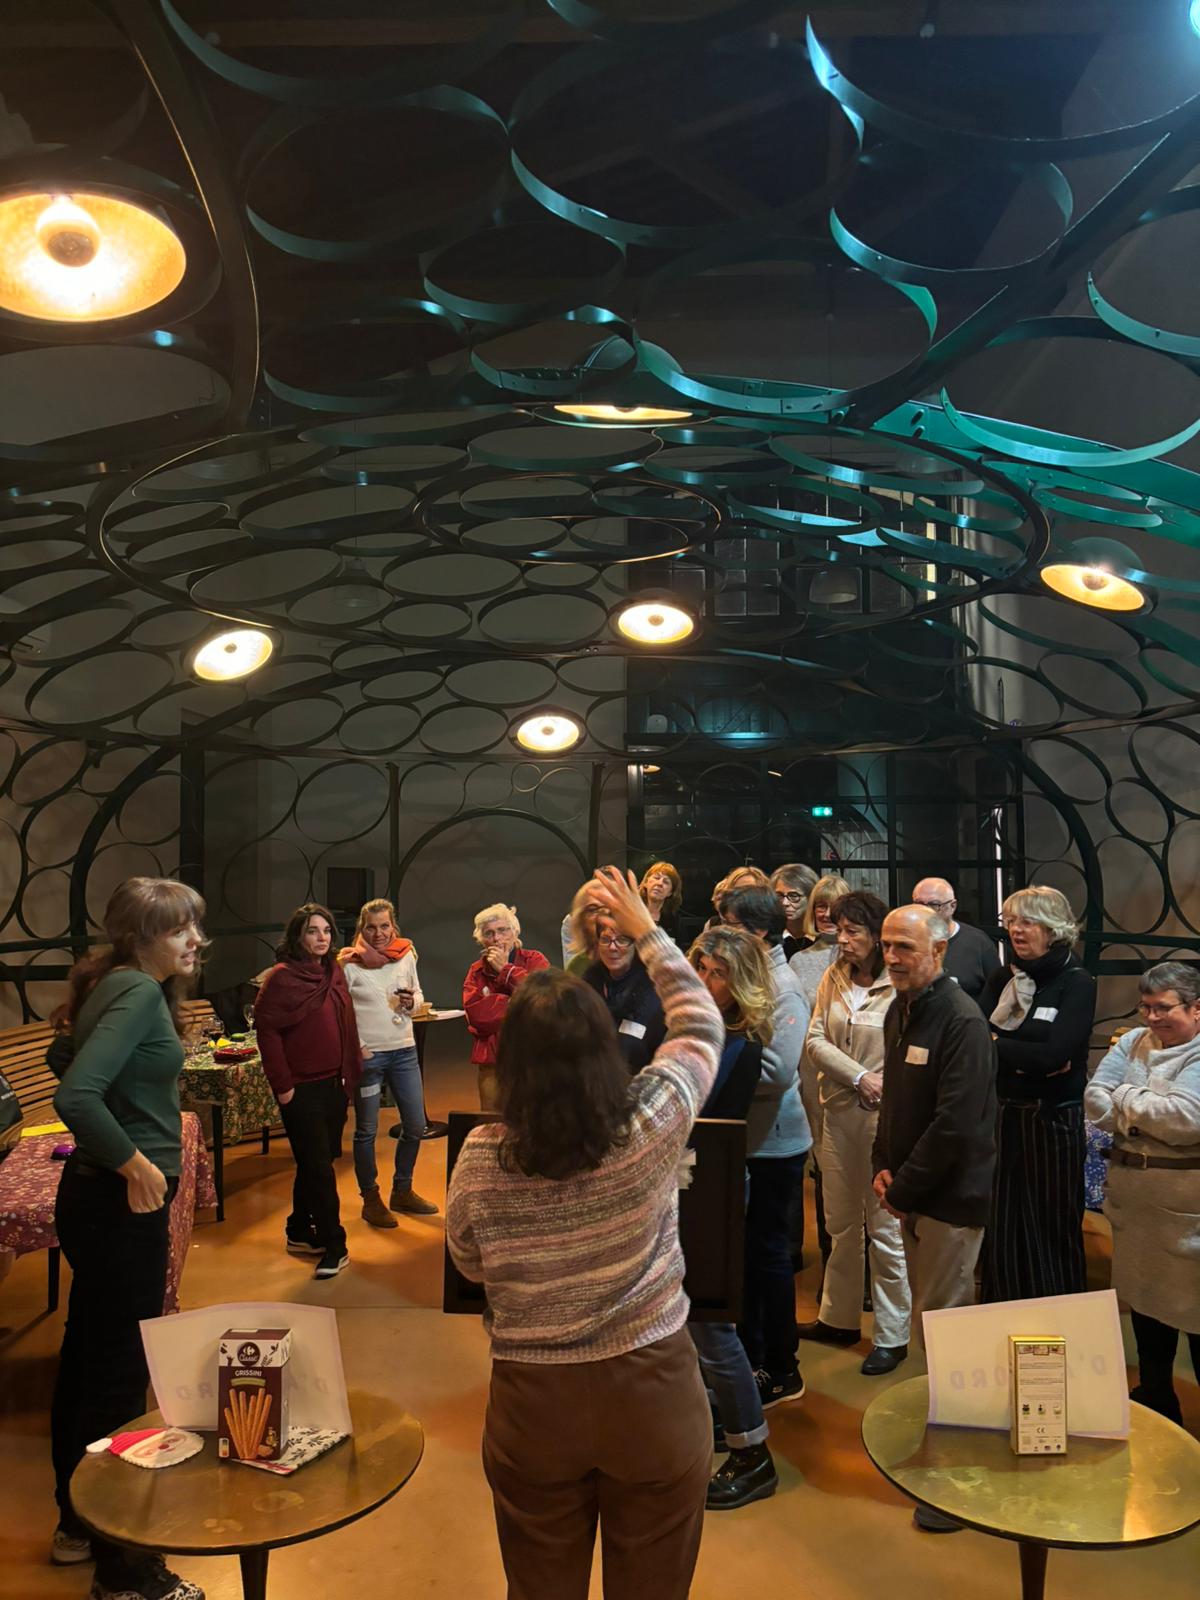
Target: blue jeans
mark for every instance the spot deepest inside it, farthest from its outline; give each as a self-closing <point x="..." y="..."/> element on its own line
<point x="399" y="1070"/>
<point x="730" y="1382"/>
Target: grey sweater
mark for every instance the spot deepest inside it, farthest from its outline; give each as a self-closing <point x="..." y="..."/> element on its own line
<point x="776" y="1124"/>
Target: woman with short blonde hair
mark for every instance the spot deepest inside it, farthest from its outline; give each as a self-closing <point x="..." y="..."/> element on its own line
<point x="811" y="963"/>
<point x="1041" y="1008"/>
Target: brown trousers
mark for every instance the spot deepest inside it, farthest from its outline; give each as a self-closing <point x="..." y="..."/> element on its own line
<point x="625" y="1442"/>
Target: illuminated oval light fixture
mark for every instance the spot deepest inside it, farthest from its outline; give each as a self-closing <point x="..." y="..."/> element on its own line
<point x="548" y="732"/>
<point x="655" y="622"/>
<point x="237" y="653"/>
<point x="1094" y="573"/>
<point x="622" y="416"/>
<point x="84" y="257"/>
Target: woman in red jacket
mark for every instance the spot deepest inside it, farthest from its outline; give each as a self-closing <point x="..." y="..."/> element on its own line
<point x="488" y="986"/>
<point x="310" y="1053"/>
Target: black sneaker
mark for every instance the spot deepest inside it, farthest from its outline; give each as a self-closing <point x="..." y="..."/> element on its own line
<point x="147" y="1579"/>
<point x="748" y="1475"/>
<point x="332" y="1262"/>
<point x="773" y="1391"/>
<point x="308" y="1245"/>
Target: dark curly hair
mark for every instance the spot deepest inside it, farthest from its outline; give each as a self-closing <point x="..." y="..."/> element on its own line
<point x="562" y="1083"/>
<point x="867" y="911"/>
<point x="291" y="947"/>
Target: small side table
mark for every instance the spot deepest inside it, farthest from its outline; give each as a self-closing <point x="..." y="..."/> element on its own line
<point x="1102" y="1495"/>
<point x="206" y="1507"/>
<point x="433" y="1130"/>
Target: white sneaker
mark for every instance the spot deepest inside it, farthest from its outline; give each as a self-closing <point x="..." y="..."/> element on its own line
<point x="69" y="1549"/>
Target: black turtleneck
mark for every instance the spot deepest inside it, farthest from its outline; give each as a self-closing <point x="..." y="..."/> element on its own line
<point x="1054" y="1034"/>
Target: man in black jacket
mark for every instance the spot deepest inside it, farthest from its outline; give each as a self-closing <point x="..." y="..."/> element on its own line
<point x="935" y="1147"/>
<point x="971" y="957"/>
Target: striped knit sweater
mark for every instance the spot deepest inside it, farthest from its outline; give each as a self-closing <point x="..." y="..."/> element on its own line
<point x="587" y="1267"/>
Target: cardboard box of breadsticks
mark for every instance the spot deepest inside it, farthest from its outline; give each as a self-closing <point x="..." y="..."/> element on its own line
<point x="252" y="1393"/>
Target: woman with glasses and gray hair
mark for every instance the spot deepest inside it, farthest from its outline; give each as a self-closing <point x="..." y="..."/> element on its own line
<point x="1041" y="1009"/>
<point x="489" y="986"/>
<point x="1146" y="1093"/>
<point x="793" y="883"/>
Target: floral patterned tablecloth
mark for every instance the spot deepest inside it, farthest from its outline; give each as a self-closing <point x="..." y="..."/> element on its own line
<point x="239" y="1088"/>
<point x="29" y="1185"/>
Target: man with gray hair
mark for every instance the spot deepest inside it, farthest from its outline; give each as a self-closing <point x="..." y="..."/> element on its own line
<point x="935" y="1147"/>
<point x="971" y="957"/>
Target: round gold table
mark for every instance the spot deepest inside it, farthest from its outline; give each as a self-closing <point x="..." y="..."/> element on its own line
<point x="206" y="1507"/>
<point x="1104" y="1493"/>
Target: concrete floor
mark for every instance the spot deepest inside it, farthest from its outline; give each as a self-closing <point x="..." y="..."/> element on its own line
<point x="834" y="1529"/>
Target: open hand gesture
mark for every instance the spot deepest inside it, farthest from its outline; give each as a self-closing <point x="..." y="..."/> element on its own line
<point x="620" y="898"/>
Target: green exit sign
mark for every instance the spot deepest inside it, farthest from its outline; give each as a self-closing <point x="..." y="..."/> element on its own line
<point x="822" y="811"/>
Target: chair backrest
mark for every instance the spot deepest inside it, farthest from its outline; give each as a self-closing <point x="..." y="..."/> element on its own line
<point x="195" y="1013"/>
<point x="23" y="1063"/>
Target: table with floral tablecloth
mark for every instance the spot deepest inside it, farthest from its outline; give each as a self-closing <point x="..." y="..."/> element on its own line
<point x="29" y="1178"/>
<point x="239" y="1088"/>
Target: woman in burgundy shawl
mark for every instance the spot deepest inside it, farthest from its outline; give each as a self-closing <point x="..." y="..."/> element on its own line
<point x="310" y="1053"/>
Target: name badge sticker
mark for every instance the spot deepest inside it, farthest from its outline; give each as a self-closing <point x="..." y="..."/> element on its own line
<point x="1045" y="1014"/>
<point x="917" y="1055"/>
<point x="637" y="1029"/>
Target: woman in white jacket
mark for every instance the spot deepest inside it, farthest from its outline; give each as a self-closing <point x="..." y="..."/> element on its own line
<point x="1146" y="1093"/>
<point x="844" y="1050"/>
<point x="381" y="974"/>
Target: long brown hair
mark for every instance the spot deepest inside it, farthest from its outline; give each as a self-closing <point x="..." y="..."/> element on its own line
<point x="561" y="1080"/>
<point x="290" y="947"/>
<point x="139" y="911"/>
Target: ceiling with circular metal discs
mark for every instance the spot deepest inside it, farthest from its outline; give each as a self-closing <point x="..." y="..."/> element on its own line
<point x="497" y="319"/>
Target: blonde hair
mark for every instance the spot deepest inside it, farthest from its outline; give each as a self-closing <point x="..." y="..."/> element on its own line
<point x="489" y="914"/>
<point x="675" y="899"/>
<point x="372" y="906"/>
<point x="752" y="875"/>
<point x="1040" y="903"/>
<point x="583" y="921"/>
<point x="750" y="981"/>
<point x="823" y="893"/>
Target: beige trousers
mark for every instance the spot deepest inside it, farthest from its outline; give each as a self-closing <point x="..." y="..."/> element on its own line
<point x="941" y="1265"/>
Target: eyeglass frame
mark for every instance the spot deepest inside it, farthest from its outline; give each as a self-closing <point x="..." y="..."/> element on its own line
<point x="788" y="896"/>
<point x="937" y="905"/>
<point x="615" y="941"/>
<point x="1162" y="1011"/>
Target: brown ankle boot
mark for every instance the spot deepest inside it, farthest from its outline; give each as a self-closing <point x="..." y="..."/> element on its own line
<point x="375" y="1212"/>
<point x="409" y="1200"/>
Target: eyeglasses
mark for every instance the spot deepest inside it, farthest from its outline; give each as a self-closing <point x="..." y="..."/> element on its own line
<point x="936" y="905"/>
<point x="790" y="899"/>
<point x="614" y="941"/>
<point x="1153" y="1013"/>
<point x="1020" y="922"/>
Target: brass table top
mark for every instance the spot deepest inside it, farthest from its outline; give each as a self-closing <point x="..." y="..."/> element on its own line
<point x="1102" y="1494"/>
<point x="206" y="1507"/>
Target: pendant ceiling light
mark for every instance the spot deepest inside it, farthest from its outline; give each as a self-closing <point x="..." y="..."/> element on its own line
<point x="1095" y="572"/>
<point x="655" y="622"/>
<point x="548" y="732"/>
<point x="237" y="653"/>
<point x="84" y="257"/>
<point x="622" y="416"/>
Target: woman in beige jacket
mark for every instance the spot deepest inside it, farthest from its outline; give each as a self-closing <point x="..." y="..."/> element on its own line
<point x="844" y="1048"/>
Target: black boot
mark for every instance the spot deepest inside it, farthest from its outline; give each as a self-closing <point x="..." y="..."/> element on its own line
<point x="747" y="1475"/>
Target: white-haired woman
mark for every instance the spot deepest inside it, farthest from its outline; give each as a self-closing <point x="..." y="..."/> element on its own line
<point x="489" y="985"/>
<point x="1146" y="1093"/>
<point x="1041" y="1008"/>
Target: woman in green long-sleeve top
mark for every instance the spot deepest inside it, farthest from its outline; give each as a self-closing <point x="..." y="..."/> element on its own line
<point x="120" y="1098"/>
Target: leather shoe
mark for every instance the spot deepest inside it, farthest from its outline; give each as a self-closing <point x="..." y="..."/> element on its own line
<point x="747" y="1475"/>
<point x="825" y="1333"/>
<point x="883" y="1358"/>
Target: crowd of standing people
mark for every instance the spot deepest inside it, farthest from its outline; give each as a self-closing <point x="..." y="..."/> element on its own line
<point x="937" y="1089"/>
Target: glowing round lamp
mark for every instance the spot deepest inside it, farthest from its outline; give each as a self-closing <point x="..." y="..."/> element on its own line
<point x="232" y="655"/>
<point x="655" y="622"/>
<point x="1094" y="572"/>
<point x="84" y="257"/>
<point x="623" y="416"/>
<point x="548" y="732"/>
<point x="1194" y="15"/>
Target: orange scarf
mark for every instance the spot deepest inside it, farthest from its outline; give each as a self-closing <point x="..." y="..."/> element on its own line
<point x="366" y="955"/>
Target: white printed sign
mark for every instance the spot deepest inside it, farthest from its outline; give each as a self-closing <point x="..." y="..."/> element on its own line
<point x="967" y="1351"/>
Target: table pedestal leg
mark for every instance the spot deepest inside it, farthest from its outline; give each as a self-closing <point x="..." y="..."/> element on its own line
<point x="1033" y="1569"/>
<point x="53" y="1260"/>
<point x="218" y="1132"/>
<point x="254" y="1573"/>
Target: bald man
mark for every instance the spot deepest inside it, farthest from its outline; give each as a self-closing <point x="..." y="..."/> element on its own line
<point x="935" y="1144"/>
<point x="971" y="957"/>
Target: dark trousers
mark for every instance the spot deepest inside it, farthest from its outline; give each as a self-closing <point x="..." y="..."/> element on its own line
<point x="1034" y="1240"/>
<point x="768" y="1326"/>
<point x="1156" y="1347"/>
<point x="313" y="1121"/>
<point x="796" y="1220"/>
<point x="624" y="1443"/>
<point x="118" y="1261"/>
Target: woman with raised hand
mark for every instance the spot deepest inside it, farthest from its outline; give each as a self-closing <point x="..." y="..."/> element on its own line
<point x="566" y="1209"/>
<point x="120" y="1098"/>
<point x="308" y="1040"/>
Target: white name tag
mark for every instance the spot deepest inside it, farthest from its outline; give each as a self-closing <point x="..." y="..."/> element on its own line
<point x="366" y="1090"/>
<point x="637" y="1029"/>
<point x="917" y="1055"/>
<point x="486" y="990"/>
<point x="1045" y="1014"/>
<point x="868" y="1019"/>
